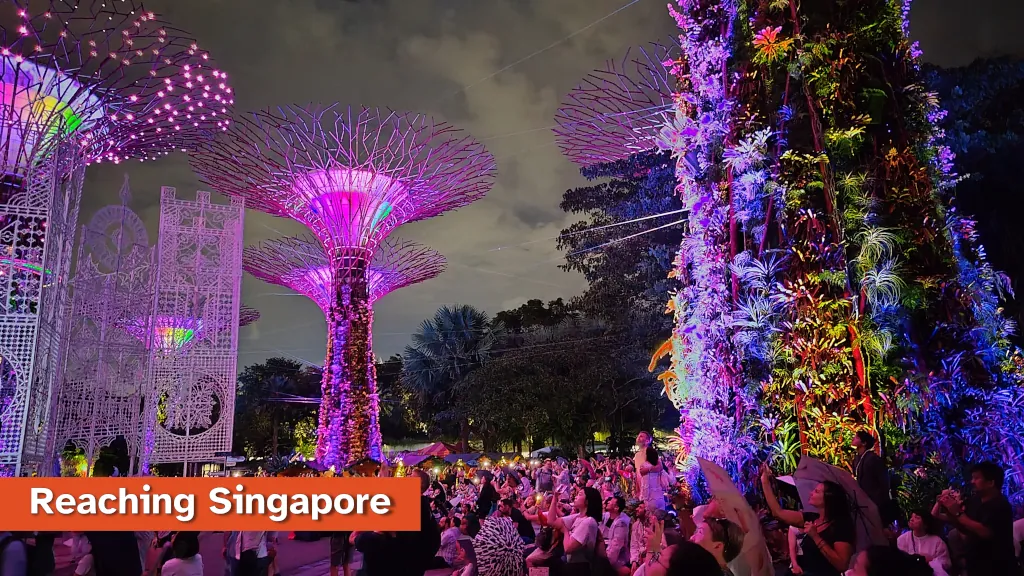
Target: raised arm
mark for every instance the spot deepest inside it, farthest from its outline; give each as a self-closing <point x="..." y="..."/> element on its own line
<point x="791" y="517"/>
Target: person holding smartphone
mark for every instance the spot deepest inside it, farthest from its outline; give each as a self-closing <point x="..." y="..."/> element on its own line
<point x="829" y="532"/>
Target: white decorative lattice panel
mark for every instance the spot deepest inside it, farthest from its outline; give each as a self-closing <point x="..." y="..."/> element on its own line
<point x="38" y="212"/>
<point x="106" y="366"/>
<point x="194" y="329"/>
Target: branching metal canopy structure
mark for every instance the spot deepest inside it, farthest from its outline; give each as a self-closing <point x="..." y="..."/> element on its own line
<point x="351" y="176"/>
<point x="618" y="110"/>
<point x="80" y="81"/>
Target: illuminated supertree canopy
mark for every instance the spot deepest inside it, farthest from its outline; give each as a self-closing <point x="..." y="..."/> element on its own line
<point x="168" y="333"/>
<point x="247" y="316"/>
<point x="113" y="78"/>
<point x="619" y="110"/>
<point x="300" y="263"/>
<point x="351" y="176"/>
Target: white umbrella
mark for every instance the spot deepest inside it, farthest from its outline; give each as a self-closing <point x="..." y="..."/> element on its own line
<point x="866" y="519"/>
<point x="754" y="556"/>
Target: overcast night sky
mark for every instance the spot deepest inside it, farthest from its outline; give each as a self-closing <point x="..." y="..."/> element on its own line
<point x="440" y="57"/>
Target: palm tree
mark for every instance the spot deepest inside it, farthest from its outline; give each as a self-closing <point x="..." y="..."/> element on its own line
<point x="456" y="341"/>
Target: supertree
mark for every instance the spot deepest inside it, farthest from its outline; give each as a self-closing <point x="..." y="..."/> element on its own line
<point x="81" y="82"/>
<point x="301" y="264"/>
<point x="856" y="297"/>
<point x="614" y="114"/>
<point x="247" y="316"/>
<point x="351" y="177"/>
<point x="174" y="334"/>
<point x="618" y="110"/>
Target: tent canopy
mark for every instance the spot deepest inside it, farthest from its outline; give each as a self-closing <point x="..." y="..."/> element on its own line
<point x="437" y="449"/>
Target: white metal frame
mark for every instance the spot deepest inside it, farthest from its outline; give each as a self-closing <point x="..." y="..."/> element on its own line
<point x="100" y="396"/>
<point x="191" y="395"/>
<point x="37" y="228"/>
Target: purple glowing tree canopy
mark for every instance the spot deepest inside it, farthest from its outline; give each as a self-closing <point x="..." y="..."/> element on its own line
<point x="618" y="110"/>
<point x="351" y="177"/>
<point x="301" y="264"/>
<point x="167" y="333"/>
<point x="110" y="77"/>
<point x="247" y="316"/>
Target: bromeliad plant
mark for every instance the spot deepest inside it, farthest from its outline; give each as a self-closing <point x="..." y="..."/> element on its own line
<point x="829" y="284"/>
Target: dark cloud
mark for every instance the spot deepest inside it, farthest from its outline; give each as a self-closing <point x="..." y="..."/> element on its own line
<point x="440" y="57"/>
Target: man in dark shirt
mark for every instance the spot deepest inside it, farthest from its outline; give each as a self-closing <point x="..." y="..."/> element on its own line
<point x="986" y="522"/>
<point x="507" y="508"/>
<point x="871" y="474"/>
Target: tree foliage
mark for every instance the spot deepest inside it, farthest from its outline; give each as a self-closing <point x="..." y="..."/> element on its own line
<point x="264" y="420"/>
<point x="564" y="383"/>
<point x="625" y="275"/>
<point x="446" y="348"/>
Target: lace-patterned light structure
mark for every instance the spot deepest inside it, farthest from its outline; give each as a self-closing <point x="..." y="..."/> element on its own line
<point x="193" y="335"/>
<point x="619" y="110"/>
<point x="351" y="176"/>
<point x="301" y="264"/>
<point x="104" y="367"/>
<point x="80" y="82"/>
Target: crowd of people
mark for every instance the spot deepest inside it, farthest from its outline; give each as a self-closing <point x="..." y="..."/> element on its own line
<point x="608" y="517"/>
<point x="627" y="517"/>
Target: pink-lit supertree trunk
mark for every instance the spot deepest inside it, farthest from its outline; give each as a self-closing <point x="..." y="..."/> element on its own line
<point x="351" y="177"/>
<point x="301" y="264"/>
<point x="80" y="82"/>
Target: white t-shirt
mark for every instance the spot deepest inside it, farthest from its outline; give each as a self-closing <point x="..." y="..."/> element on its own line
<point x="930" y="546"/>
<point x="1018" y="536"/>
<point x="184" y="566"/>
<point x="85" y="566"/>
<point x="582" y="529"/>
<point x="251" y="541"/>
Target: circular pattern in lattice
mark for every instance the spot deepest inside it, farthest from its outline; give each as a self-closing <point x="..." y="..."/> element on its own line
<point x="116" y="238"/>
<point x="191" y="410"/>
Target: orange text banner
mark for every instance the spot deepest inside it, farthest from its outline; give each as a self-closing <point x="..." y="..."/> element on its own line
<point x="306" y="504"/>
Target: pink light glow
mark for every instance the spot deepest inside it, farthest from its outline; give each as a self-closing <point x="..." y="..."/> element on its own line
<point x="129" y="58"/>
<point x="357" y="175"/>
<point x="358" y="202"/>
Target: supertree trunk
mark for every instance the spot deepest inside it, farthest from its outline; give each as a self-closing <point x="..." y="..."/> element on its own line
<point x="343" y="436"/>
<point x="376" y="446"/>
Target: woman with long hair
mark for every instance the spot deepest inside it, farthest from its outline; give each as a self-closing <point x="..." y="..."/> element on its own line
<point x="581" y="527"/>
<point x="649" y="473"/>
<point x="828" y="532"/>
